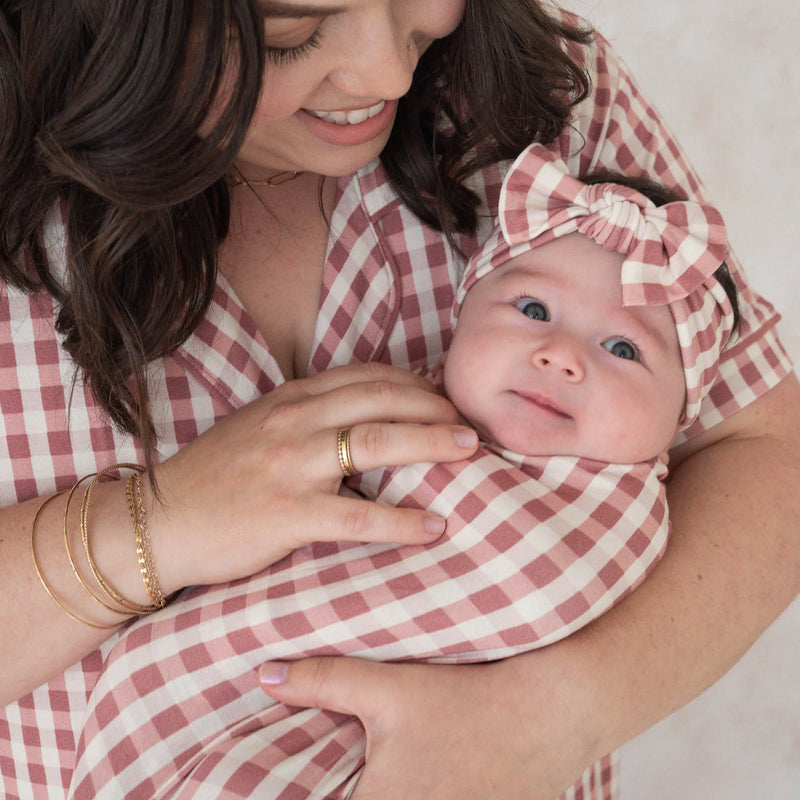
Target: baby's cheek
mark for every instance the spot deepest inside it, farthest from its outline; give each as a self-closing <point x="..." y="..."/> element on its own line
<point x="457" y="387"/>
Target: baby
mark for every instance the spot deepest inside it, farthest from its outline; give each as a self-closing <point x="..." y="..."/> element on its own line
<point x="591" y="321"/>
<point x="589" y="328"/>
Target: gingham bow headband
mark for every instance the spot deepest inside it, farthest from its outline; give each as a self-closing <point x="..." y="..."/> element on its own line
<point x="672" y="251"/>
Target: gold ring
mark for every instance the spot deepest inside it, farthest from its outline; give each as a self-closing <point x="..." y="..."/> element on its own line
<point x="343" y="450"/>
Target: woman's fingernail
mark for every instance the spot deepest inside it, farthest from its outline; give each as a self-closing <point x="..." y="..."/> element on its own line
<point x="434" y="525"/>
<point x="272" y="673"/>
<point x="466" y="437"/>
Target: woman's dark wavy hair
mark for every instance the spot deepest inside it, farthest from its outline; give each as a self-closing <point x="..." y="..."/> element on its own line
<point x="508" y="76"/>
<point x="101" y="105"/>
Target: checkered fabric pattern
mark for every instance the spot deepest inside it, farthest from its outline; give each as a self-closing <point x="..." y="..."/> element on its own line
<point x="387" y="293"/>
<point x="531" y="554"/>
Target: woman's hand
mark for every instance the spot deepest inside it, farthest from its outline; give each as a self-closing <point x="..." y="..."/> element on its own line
<point x="264" y="480"/>
<point x="441" y="732"/>
<point x="257" y="485"/>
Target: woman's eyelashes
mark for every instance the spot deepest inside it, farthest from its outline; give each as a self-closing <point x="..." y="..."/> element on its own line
<point x="281" y="56"/>
<point x="533" y="309"/>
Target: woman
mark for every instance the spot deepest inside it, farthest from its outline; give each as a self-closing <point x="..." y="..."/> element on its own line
<point x="127" y="180"/>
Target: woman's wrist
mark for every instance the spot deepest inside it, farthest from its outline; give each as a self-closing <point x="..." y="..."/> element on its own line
<point x="109" y="534"/>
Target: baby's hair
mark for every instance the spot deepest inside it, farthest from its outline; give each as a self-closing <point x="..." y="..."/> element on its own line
<point x="661" y="195"/>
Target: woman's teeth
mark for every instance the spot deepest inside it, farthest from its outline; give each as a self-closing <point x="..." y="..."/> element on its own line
<point x="349" y="117"/>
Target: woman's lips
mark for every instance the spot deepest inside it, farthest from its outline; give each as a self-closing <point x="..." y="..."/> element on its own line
<point x="352" y="127"/>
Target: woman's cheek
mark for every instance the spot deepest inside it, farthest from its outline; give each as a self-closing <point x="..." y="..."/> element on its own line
<point x="452" y="14"/>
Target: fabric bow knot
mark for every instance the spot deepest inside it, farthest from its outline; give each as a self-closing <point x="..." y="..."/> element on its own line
<point x="671" y="252"/>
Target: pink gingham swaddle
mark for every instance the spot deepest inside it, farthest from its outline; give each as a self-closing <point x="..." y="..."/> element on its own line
<point x="177" y="712"/>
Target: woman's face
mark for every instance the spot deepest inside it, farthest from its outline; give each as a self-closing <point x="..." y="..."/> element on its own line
<point x="336" y="69"/>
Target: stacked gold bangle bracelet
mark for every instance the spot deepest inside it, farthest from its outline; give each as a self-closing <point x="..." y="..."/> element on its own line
<point x="144" y="552"/>
<point x="105" y="594"/>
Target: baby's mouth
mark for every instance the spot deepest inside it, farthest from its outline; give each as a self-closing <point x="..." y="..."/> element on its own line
<point x="353" y="117"/>
<point x="545" y="403"/>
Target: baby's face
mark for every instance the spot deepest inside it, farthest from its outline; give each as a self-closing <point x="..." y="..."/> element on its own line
<point x="546" y="360"/>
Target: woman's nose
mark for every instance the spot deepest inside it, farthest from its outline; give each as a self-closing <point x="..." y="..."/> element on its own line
<point x="381" y="67"/>
<point x="562" y="357"/>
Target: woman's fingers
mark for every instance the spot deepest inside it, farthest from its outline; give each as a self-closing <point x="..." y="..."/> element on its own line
<point x="359" y="373"/>
<point x="359" y="392"/>
<point x="350" y="519"/>
<point x="380" y="444"/>
<point x="379" y="401"/>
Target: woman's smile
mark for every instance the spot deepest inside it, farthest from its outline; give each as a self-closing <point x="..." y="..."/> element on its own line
<point x="350" y="127"/>
<point x="352" y="117"/>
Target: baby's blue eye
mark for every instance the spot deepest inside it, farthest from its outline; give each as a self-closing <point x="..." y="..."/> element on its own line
<point x="533" y="309"/>
<point x="622" y="348"/>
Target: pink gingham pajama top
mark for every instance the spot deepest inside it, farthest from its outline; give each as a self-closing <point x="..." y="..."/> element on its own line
<point x="169" y="707"/>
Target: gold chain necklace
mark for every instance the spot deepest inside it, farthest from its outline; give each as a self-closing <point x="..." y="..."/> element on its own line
<point x="275" y="180"/>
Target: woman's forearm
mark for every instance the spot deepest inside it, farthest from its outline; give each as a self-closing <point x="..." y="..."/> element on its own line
<point x="37" y="638"/>
<point x="732" y="566"/>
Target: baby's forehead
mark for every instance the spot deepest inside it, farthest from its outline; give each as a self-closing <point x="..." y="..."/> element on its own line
<point x="573" y="262"/>
<point x="572" y="255"/>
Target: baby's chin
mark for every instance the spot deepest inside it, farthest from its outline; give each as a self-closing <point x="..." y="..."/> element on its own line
<point x="630" y="453"/>
<point x="524" y="443"/>
<point x="517" y="441"/>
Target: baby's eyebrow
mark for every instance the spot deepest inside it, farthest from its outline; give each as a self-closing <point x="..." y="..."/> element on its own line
<point x="651" y="331"/>
<point x="275" y="8"/>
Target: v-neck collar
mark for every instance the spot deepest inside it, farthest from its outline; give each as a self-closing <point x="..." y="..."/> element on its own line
<point x="230" y="356"/>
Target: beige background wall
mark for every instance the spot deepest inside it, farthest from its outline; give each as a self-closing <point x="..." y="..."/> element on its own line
<point x="726" y="77"/>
